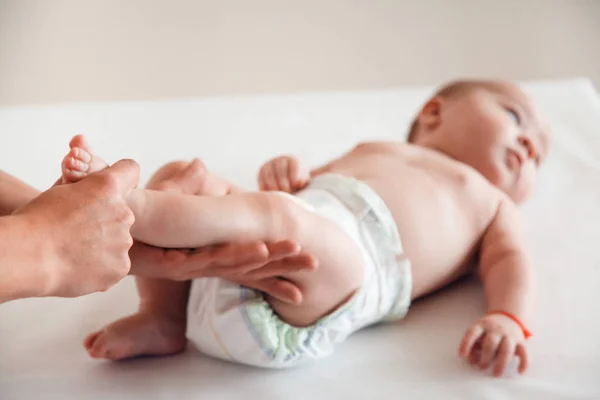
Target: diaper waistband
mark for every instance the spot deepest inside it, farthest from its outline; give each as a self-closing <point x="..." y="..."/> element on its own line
<point x="363" y="202"/>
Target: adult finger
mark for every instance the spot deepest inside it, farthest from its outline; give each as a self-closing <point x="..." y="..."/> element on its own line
<point x="283" y="248"/>
<point x="489" y="348"/>
<point x="302" y="262"/>
<point x="280" y="289"/>
<point x="126" y="174"/>
<point x="263" y="267"/>
<point x="209" y="261"/>
<point x="177" y="264"/>
<point x="505" y="352"/>
<point x="466" y="346"/>
<point x="283" y="257"/>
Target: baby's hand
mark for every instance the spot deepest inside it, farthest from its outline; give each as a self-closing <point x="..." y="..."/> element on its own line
<point x="283" y="174"/>
<point x="80" y="161"/>
<point x="494" y="339"/>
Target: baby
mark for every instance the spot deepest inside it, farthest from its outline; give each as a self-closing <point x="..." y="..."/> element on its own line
<point x="389" y="223"/>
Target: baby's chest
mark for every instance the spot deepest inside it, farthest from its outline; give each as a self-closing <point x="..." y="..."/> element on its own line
<point x="441" y="212"/>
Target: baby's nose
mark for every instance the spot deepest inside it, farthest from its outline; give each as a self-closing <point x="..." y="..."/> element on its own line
<point x="529" y="147"/>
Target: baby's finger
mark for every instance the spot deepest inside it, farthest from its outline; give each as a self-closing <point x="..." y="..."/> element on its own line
<point x="488" y="350"/>
<point x="296" y="176"/>
<point x="268" y="179"/>
<point x="281" y="170"/>
<point x="261" y="179"/>
<point x="521" y="352"/>
<point x="475" y="354"/>
<point x="505" y="352"/>
<point x="466" y="346"/>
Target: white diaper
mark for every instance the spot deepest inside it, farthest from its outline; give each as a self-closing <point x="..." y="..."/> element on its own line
<point x="235" y="323"/>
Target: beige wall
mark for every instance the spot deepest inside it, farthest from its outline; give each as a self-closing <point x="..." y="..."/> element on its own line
<point x="71" y="50"/>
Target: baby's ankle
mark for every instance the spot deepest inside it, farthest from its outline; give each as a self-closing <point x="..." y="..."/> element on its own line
<point x="167" y="311"/>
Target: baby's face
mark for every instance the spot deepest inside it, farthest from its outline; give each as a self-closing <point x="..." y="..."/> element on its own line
<point x="497" y="131"/>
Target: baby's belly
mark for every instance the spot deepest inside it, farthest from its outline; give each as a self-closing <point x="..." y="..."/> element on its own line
<point x="440" y="234"/>
<point x="429" y="278"/>
<point x="439" y="253"/>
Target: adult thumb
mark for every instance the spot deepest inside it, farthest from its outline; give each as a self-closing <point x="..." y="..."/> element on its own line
<point x="126" y="173"/>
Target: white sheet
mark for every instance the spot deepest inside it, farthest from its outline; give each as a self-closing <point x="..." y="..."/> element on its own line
<point x="40" y="339"/>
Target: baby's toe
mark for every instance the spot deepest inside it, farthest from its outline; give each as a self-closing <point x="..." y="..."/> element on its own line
<point x="116" y="351"/>
<point x="100" y="347"/>
<point x="80" y="142"/>
<point x="76" y="164"/>
<point x="81" y="154"/>
<point x="88" y="342"/>
<point x="72" y="176"/>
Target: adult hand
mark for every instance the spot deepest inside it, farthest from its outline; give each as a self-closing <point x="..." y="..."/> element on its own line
<point x="83" y="229"/>
<point x="257" y="265"/>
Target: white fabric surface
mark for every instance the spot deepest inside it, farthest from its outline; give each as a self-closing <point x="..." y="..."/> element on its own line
<point x="40" y="339"/>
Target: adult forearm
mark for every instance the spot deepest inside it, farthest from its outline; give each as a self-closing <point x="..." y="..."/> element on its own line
<point x="21" y="262"/>
<point x="14" y="193"/>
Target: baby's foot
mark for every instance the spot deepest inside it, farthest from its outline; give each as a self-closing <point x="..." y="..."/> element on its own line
<point x="180" y="176"/>
<point x="80" y="161"/>
<point x="145" y="333"/>
<point x="188" y="178"/>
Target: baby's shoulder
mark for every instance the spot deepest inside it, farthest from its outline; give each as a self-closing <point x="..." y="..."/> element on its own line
<point x="378" y="145"/>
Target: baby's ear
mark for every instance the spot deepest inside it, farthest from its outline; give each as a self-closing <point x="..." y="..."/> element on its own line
<point x="430" y="115"/>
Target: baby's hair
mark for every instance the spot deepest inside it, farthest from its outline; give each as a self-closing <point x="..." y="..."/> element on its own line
<point x="449" y="90"/>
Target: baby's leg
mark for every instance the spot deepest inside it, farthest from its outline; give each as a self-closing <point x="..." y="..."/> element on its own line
<point x="340" y="273"/>
<point x="323" y="290"/>
<point x="158" y="328"/>
<point x="194" y="221"/>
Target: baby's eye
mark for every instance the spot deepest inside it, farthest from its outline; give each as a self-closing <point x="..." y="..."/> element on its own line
<point x="514" y="115"/>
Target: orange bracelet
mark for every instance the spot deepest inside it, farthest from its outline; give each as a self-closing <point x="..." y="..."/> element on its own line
<point x="526" y="331"/>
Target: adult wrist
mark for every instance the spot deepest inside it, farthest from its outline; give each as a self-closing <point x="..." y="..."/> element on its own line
<point x="27" y="263"/>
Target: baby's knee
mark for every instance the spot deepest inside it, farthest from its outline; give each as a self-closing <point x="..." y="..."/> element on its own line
<point x="168" y="171"/>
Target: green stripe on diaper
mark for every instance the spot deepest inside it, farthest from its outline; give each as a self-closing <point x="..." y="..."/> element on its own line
<point x="281" y="340"/>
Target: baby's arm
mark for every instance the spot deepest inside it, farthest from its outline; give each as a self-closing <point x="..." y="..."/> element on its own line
<point x="287" y="174"/>
<point x="508" y="278"/>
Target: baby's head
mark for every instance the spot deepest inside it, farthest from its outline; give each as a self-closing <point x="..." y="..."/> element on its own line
<point x="491" y="126"/>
